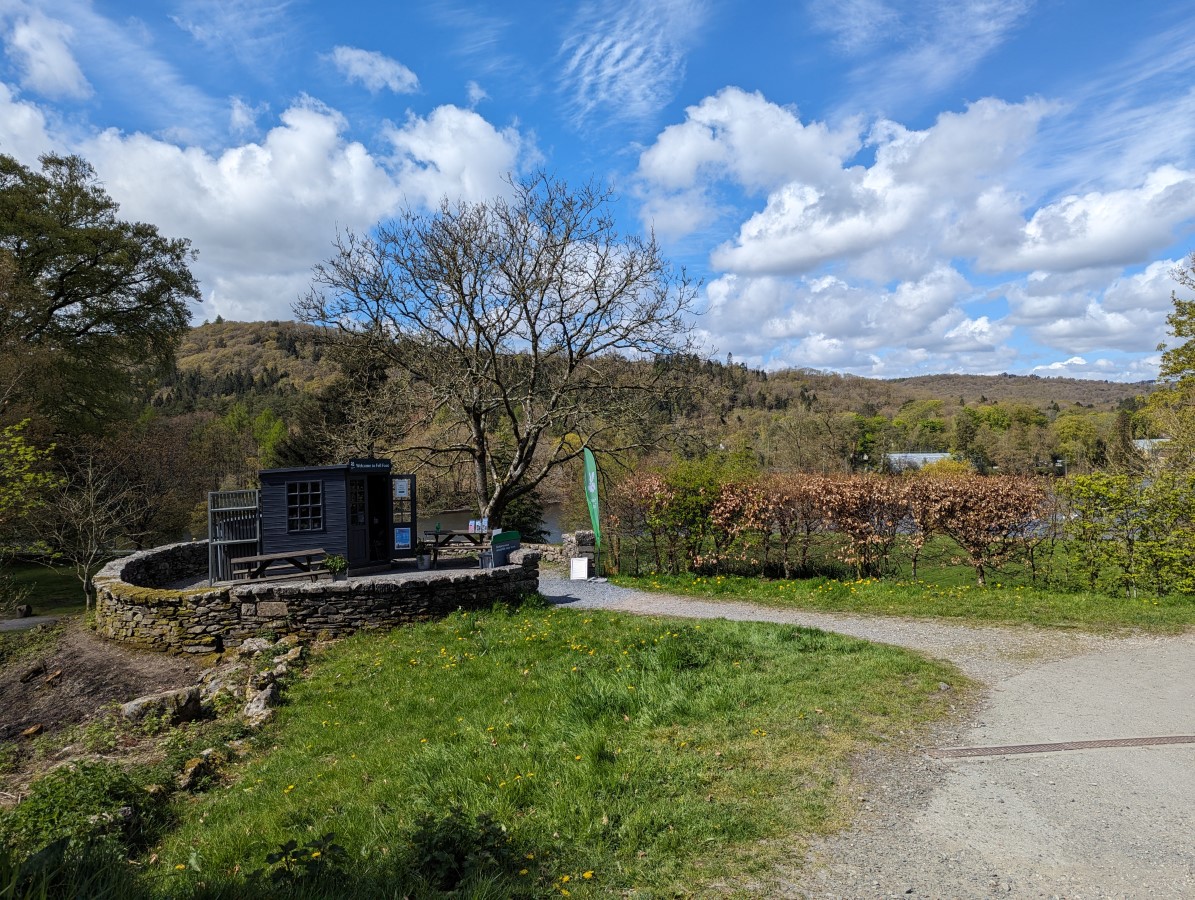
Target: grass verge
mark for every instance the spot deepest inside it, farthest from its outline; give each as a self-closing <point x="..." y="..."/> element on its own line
<point x="541" y="752"/>
<point x="996" y="604"/>
<point x="53" y="590"/>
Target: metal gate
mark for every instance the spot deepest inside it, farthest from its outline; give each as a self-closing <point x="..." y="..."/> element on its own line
<point x="233" y="529"/>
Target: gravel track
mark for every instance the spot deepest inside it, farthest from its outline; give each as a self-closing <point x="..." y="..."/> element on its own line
<point x="1076" y="824"/>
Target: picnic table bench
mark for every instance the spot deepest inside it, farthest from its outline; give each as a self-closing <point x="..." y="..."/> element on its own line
<point x="287" y="564"/>
<point x="455" y="542"/>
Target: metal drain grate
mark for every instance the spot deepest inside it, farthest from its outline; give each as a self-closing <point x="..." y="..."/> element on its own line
<point x="957" y="752"/>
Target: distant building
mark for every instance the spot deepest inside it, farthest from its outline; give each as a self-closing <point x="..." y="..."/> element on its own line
<point x="903" y="462"/>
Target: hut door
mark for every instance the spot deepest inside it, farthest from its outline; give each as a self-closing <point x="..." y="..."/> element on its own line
<point x="358" y="522"/>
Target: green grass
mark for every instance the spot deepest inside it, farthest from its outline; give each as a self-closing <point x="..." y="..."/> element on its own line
<point x="996" y="603"/>
<point x="586" y="753"/>
<point x="54" y="590"/>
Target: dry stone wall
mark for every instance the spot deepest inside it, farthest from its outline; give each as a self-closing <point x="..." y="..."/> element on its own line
<point x="134" y="607"/>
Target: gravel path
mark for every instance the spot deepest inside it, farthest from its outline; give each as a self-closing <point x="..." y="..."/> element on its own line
<point x="1077" y="824"/>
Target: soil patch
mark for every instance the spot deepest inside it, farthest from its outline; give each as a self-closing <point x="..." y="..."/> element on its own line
<point x="94" y="673"/>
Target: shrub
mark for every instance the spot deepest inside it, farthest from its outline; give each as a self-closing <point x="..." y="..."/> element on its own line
<point x="80" y="802"/>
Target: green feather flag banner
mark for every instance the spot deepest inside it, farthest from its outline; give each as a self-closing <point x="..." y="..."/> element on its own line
<point x="591" y="493"/>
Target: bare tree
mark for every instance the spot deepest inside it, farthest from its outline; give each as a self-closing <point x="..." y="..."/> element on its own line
<point x="85" y="516"/>
<point x="528" y="327"/>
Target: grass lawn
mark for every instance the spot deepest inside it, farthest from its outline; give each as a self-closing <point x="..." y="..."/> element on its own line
<point x="552" y="752"/>
<point x="54" y="590"/>
<point x="996" y="603"/>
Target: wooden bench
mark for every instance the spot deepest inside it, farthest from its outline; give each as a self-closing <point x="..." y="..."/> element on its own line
<point x="276" y="566"/>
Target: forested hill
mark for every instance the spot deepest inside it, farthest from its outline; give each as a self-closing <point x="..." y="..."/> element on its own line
<point x="222" y="361"/>
<point x="1031" y="389"/>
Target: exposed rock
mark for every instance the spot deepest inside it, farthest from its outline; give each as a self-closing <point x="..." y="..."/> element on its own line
<point x="23" y="611"/>
<point x="196" y="769"/>
<point x="182" y="705"/>
<point x="261" y="707"/>
<point x="253" y="646"/>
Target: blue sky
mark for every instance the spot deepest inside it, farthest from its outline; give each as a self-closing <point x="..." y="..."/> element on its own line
<point x="884" y="188"/>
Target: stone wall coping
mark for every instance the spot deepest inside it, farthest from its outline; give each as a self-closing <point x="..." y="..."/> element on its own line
<point x="134" y="606"/>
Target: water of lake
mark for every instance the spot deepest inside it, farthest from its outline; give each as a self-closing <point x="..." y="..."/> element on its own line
<point x="459" y="521"/>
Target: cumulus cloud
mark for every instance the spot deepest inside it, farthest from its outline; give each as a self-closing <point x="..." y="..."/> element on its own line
<point x="863" y="237"/>
<point x="261" y="214"/>
<point x="242" y="118"/>
<point x="40" y="47"/>
<point x="1102" y="227"/>
<point x="1104" y="368"/>
<point x="744" y="137"/>
<point x="925" y="188"/>
<point x="624" y="58"/>
<point x="1076" y="314"/>
<point x="825" y="321"/>
<point x="455" y="152"/>
<point x="374" y="70"/>
<point x="23" y="128"/>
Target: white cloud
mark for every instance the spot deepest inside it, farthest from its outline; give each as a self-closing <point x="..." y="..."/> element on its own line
<point x="1102" y="228"/>
<point x="475" y="93"/>
<point x="909" y="51"/>
<point x="1104" y="368"/>
<point x="262" y="214"/>
<point x="455" y="152"/>
<point x="925" y="192"/>
<point x="259" y="214"/>
<point x="1076" y="314"/>
<point x="253" y="32"/>
<point x="624" y="58"/>
<point x="821" y="321"/>
<point x="857" y="25"/>
<point x="242" y="118"/>
<point x="744" y="137"/>
<point x="374" y="70"/>
<point x="40" y="47"/>
<point x="23" y="128"/>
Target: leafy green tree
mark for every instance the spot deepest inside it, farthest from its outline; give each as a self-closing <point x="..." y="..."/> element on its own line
<point x="91" y="307"/>
<point x="25" y="481"/>
<point x="1172" y="407"/>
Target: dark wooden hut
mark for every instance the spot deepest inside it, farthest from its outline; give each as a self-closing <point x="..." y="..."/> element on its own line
<point x="359" y="510"/>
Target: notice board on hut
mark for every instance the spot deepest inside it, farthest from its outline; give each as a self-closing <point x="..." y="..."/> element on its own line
<point x="359" y="510"/>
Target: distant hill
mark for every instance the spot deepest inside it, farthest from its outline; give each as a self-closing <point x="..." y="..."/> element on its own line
<point x="1031" y="389"/>
<point x="222" y="361"/>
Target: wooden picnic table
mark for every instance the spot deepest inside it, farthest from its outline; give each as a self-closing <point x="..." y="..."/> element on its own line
<point x="302" y="563"/>
<point x="455" y="541"/>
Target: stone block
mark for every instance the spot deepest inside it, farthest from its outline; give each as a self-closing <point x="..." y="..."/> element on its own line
<point x="272" y="608"/>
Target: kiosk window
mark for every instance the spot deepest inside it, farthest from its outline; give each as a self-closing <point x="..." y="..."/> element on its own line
<point x="304" y="506"/>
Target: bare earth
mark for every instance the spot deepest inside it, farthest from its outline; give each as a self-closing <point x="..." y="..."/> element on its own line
<point x="1078" y="824"/>
<point x="95" y="672"/>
